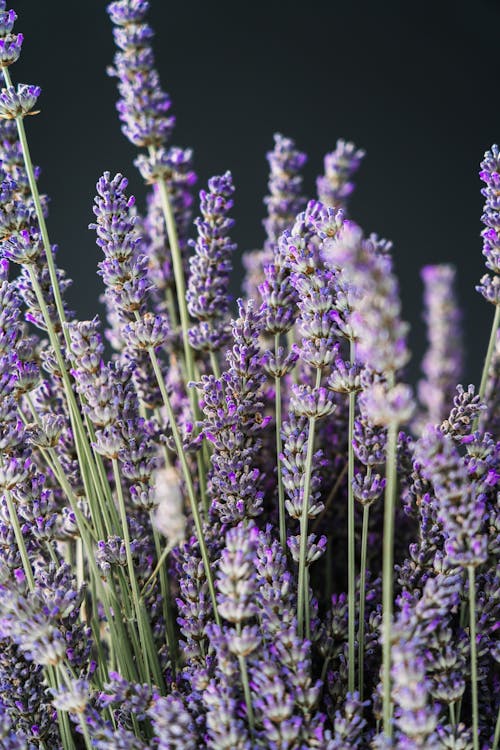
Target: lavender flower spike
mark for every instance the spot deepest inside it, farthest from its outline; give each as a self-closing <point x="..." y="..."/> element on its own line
<point x="207" y="293"/>
<point x="143" y="107"/>
<point x="284" y="201"/>
<point x="442" y="364"/>
<point x="335" y="186"/>
<point x="490" y="284"/>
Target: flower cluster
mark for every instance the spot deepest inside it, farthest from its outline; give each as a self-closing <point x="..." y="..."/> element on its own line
<point x="193" y="550"/>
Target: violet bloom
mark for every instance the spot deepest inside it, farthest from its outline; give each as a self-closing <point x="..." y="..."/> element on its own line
<point x="490" y="175"/>
<point x="284" y="201"/>
<point x="315" y="287"/>
<point x="415" y="716"/>
<point x="233" y="407"/>
<point x="194" y="611"/>
<point x="335" y="186"/>
<point x="124" y="269"/>
<point x="459" y="500"/>
<point x="143" y="107"/>
<point x="467" y="406"/>
<point x="222" y="700"/>
<point x="285" y="186"/>
<point x="207" y="294"/>
<point x="236" y="584"/>
<point x="174" y="726"/>
<point x="295" y="432"/>
<point x="442" y="363"/>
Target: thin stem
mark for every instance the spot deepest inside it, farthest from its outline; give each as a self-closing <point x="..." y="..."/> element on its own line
<point x="303" y="595"/>
<point x="180" y="285"/>
<point x="145" y="634"/>
<point x="14" y="519"/>
<point x="82" y="447"/>
<point x="152" y="578"/>
<point x="28" y="165"/>
<point x="168" y="615"/>
<point x="290" y="338"/>
<point x="178" y="269"/>
<point x="453" y="720"/>
<point x="279" y="450"/>
<point x="351" y="550"/>
<point x="188" y="480"/>
<point x="496" y="738"/>
<point x="473" y="656"/>
<point x="331" y="497"/>
<point x="489" y="353"/>
<point x="246" y="687"/>
<point x="387" y="573"/>
<point x="215" y="365"/>
<point x="362" y="596"/>
<point x="81" y="718"/>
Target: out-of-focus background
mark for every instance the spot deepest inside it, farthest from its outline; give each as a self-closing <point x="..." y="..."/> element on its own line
<point x="415" y="84"/>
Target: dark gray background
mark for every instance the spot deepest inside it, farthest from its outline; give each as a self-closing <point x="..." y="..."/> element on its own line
<point x="416" y="85"/>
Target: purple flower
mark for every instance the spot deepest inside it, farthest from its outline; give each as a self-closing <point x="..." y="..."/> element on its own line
<point x="10" y="48"/>
<point x="415" y="717"/>
<point x="442" y="363"/>
<point x="143" y="107"/>
<point x="295" y="432"/>
<point x="467" y="406"/>
<point x="233" y="407"/>
<point x="18" y="102"/>
<point x="335" y="186"/>
<point x="284" y="201"/>
<point x="207" y="294"/>
<point x="285" y="185"/>
<point x="235" y="583"/>
<point x="460" y="501"/>
<point x="174" y="726"/>
<point x="490" y="175"/>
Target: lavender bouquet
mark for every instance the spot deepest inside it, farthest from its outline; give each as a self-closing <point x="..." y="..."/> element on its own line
<point x="198" y="542"/>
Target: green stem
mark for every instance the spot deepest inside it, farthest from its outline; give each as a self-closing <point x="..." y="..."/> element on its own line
<point x="145" y="635"/>
<point x="489" y="353"/>
<point x="246" y="691"/>
<point x="331" y="497"/>
<point x="168" y="615"/>
<point x="453" y="719"/>
<point x="82" y="447"/>
<point x="362" y="596"/>
<point x="188" y="481"/>
<point x="279" y="450"/>
<point x="246" y="687"/>
<point x="81" y="718"/>
<point x="215" y="365"/>
<point x="303" y="594"/>
<point x="496" y="738"/>
<point x="387" y="573"/>
<point x="152" y="578"/>
<point x="290" y="338"/>
<point x="473" y="656"/>
<point x="178" y="274"/>
<point x="351" y="550"/>
<point x="28" y="571"/>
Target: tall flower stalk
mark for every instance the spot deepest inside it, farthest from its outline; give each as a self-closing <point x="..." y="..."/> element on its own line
<point x="490" y="284"/>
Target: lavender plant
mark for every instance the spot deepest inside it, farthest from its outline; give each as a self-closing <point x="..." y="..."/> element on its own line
<point x="193" y="551"/>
